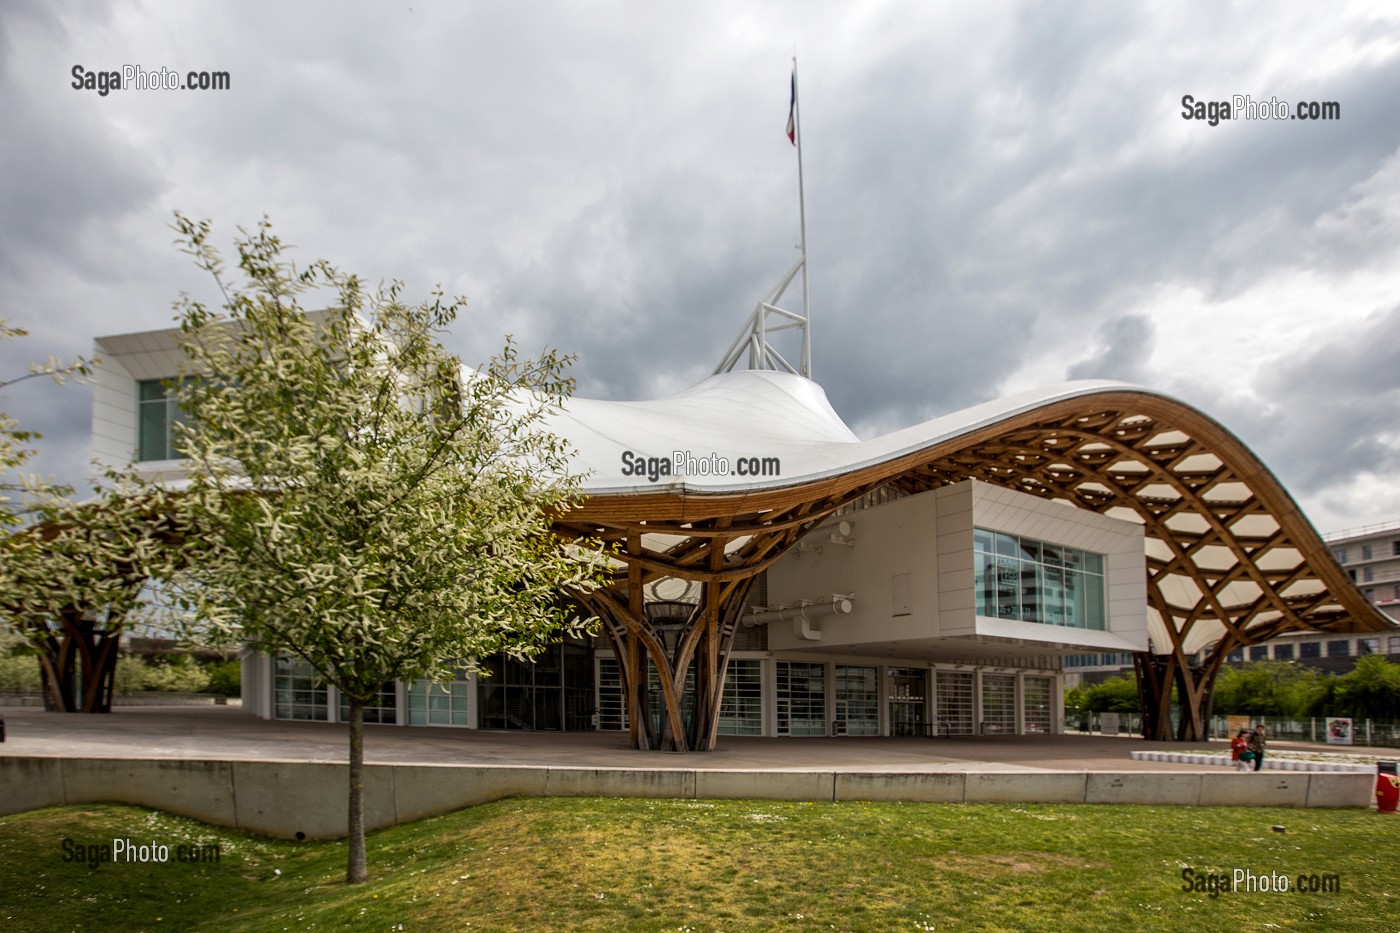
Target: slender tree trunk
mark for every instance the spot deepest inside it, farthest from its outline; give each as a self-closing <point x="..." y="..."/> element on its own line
<point x="355" y="870"/>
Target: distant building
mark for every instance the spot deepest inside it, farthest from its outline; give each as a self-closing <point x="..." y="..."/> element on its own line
<point x="1371" y="557"/>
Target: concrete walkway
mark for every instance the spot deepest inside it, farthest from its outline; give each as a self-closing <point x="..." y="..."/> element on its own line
<point x="214" y="733"/>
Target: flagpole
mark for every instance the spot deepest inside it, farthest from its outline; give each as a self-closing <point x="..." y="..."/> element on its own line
<point x="806" y="361"/>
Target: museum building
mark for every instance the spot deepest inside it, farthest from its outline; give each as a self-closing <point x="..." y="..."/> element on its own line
<point x="780" y="577"/>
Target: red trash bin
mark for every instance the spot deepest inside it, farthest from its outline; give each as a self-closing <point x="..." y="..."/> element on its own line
<point x="1387" y="787"/>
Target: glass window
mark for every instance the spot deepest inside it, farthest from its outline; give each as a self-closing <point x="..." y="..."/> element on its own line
<point x="953" y="699"/>
<point x="1283" y="652"/>
<point x="1341" y="555"/>
<point x="1038" y="704"/>
<point x="801" y="698"/>
<point x="857" y="700"/>
<point x="382" y="710"/>
<point x="998" y="703"/>
<point x="1394" y="644"/>
<point x="431" y="704"/>
<point x="298" y="691"/>
<point x="741" y="707"/>
<point x="1341" y="648"/>
<point x="908" y="688"/>
<point x="1395" y="548"/>
<point x="1310" y="649"/>
<point x="1365" y="552"/>
<point x="157" y="415"/>
<point x="612" y="708"/>
<point x="1368" y="646"/>
<point x="1034" y="581"/>
<point x="553" y="691"/>
<point x="1259" y="652"/>
<point x="1236" y="656"/>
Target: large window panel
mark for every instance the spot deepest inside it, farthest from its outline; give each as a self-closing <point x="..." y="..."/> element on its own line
<point x="857" y="700"/>
<point x="741" y="707"/>
<point x="431" y="704"/>
<point x="1034" y="581"/>
<point x="801" y="697"/>
<point x="381" y="710"/>
<point x="298" y="691"/>
<point x="157" y="416"/>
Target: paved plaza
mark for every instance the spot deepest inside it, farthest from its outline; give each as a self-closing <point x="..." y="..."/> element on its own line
<point x="227" y="733"/>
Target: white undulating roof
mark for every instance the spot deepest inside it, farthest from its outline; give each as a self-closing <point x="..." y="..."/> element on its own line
<point x="754" y="414"/>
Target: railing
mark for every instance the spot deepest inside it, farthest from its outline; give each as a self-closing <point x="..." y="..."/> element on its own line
<point x="1373" y="529"/>
<point x="1373" y="732"/>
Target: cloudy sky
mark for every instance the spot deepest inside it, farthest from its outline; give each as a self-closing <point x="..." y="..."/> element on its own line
<point x="999" y="196"/>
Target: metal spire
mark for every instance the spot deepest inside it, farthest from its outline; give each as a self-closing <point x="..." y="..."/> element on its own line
<point x="768" y="317"/>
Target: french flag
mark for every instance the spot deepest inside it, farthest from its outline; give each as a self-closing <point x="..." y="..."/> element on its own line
<point x="792" y="111"/>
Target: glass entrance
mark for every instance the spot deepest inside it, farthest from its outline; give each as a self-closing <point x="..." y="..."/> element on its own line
<point x="554" y="692"/>
<point x="907" y="700"/>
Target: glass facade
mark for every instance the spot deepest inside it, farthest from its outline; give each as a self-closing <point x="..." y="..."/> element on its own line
<point x="998" y="703"/>
<point x="1107" y="659"/>
<point x="1038" y="712"/>
<point x="431" y="704"/>
<point x="908" y="686"/>
<point x="551" y="692"/>
<point x="857" y="700"/>
<point x="1283" y="652"/>
<point x="382" y="710"/>
<point x="741" y="707"/>
<point x="953" y="697"/>
<point x="297" y="691"/>
<point x="1034" y="581"/>
<point x="801" y="696"/>
<point x="612" y="708"/>
<point x="157" y="415"/>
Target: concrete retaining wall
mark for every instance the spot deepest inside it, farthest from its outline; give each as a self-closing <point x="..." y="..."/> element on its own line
<point x="292" y="800"/>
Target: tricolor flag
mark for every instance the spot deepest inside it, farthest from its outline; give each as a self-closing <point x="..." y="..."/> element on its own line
<point x="792" y="111"/>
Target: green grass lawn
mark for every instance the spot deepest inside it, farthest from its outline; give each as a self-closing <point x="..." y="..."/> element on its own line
<point x="587" y="863"/>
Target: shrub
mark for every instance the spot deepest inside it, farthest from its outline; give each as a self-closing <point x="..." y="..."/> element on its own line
<point x="225" y="678"/>
<point x="19" y="673"/>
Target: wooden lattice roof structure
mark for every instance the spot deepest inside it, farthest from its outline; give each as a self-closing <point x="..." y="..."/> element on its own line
<point x="1231" y="558"/>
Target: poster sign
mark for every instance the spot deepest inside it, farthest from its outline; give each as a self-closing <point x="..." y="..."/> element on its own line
<point x="1233" y="725"/>
<point x="1338" y="731"/>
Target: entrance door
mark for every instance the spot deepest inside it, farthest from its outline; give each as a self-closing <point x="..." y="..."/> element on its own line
<point x="907" y="700"/>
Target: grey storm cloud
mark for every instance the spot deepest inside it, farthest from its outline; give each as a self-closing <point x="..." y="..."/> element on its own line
<point x="992" y="192"/>
<point x="1124" y="346"/>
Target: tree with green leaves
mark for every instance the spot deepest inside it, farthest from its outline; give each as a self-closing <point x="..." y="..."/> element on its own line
<point x="358" y="500"/>
<point x="1370" y="690"/>
<point x="70" y="583"/>
<point x="70" y="574"/>
<point x="1267" y="688"/>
